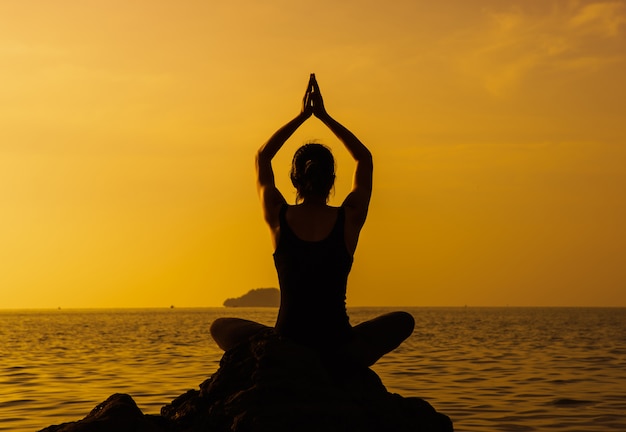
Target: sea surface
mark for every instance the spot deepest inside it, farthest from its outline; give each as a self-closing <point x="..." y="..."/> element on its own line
<point x="489" y="369"/>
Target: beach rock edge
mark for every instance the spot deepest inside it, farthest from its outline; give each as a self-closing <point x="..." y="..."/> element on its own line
<point x="271" y="384"/>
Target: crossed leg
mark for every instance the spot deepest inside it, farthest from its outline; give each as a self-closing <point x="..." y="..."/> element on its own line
<point x="378" y="336"/>
<point x="372" y="339"/>
<point x="229" y="332"/>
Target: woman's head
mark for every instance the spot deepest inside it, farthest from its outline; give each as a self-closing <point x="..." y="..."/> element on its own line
<point x="313" y="171"/>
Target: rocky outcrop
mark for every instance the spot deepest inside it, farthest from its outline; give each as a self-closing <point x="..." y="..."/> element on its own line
<point x="270" y="384"/>
<point x="118" y="413"/>
<point x="259" y="297"/>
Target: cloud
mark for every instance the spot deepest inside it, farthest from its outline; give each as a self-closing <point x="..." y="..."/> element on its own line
<point x="605" y="19"/>
<point x="510" y="45"/>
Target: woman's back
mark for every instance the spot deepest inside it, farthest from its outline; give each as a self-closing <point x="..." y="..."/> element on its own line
<point x="313" y="274"/>
<point x="312" y="222"/>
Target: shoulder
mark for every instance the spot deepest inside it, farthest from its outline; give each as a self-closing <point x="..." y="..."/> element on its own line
<point x="356" y="207"/>
<point x="354" y="219"/>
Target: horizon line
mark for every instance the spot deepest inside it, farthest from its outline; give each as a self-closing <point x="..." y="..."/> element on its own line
<point x="79" y="308"/>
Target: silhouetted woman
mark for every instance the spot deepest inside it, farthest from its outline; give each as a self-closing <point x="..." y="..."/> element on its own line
<point x="314" y="244"/>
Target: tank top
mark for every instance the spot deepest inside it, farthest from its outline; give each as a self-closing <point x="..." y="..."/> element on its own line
<point x="313" y="277"/>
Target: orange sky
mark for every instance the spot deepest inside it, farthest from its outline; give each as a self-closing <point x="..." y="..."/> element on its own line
<point x="128" y="132"/>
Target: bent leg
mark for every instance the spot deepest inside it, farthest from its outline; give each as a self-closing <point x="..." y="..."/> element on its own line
<point x="376" y="337"/>
<point x="229" y="332"/>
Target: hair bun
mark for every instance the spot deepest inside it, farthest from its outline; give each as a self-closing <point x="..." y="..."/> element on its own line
<point x="313" y="170"/>
<point x="310" y="166"/>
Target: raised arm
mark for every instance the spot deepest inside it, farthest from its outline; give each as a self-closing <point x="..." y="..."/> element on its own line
<point x="357" y="201"/>
<point x="271" y="198"/>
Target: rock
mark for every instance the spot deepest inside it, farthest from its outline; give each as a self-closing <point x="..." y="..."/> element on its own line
<point x="260" y="297"/>
<point x="271" y="384"/>
<point x="118" y="413"/>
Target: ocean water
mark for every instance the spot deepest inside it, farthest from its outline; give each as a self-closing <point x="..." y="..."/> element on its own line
<point x="489" y="369"/>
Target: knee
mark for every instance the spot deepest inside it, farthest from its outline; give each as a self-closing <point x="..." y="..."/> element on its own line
<point x="406" y="323"/>
<point x="220" y="333"/>
<point x="217" y="327"/>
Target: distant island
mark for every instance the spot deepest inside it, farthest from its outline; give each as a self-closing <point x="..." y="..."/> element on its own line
<point x="259" y="297"/>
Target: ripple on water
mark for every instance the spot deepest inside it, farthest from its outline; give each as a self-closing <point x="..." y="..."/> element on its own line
<point x="493" y="369"/>
<point x="565" y="402"/>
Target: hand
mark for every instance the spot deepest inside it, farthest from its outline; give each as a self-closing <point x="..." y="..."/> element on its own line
<point x="307" y="102"/>
<point x="316" y="99"/>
